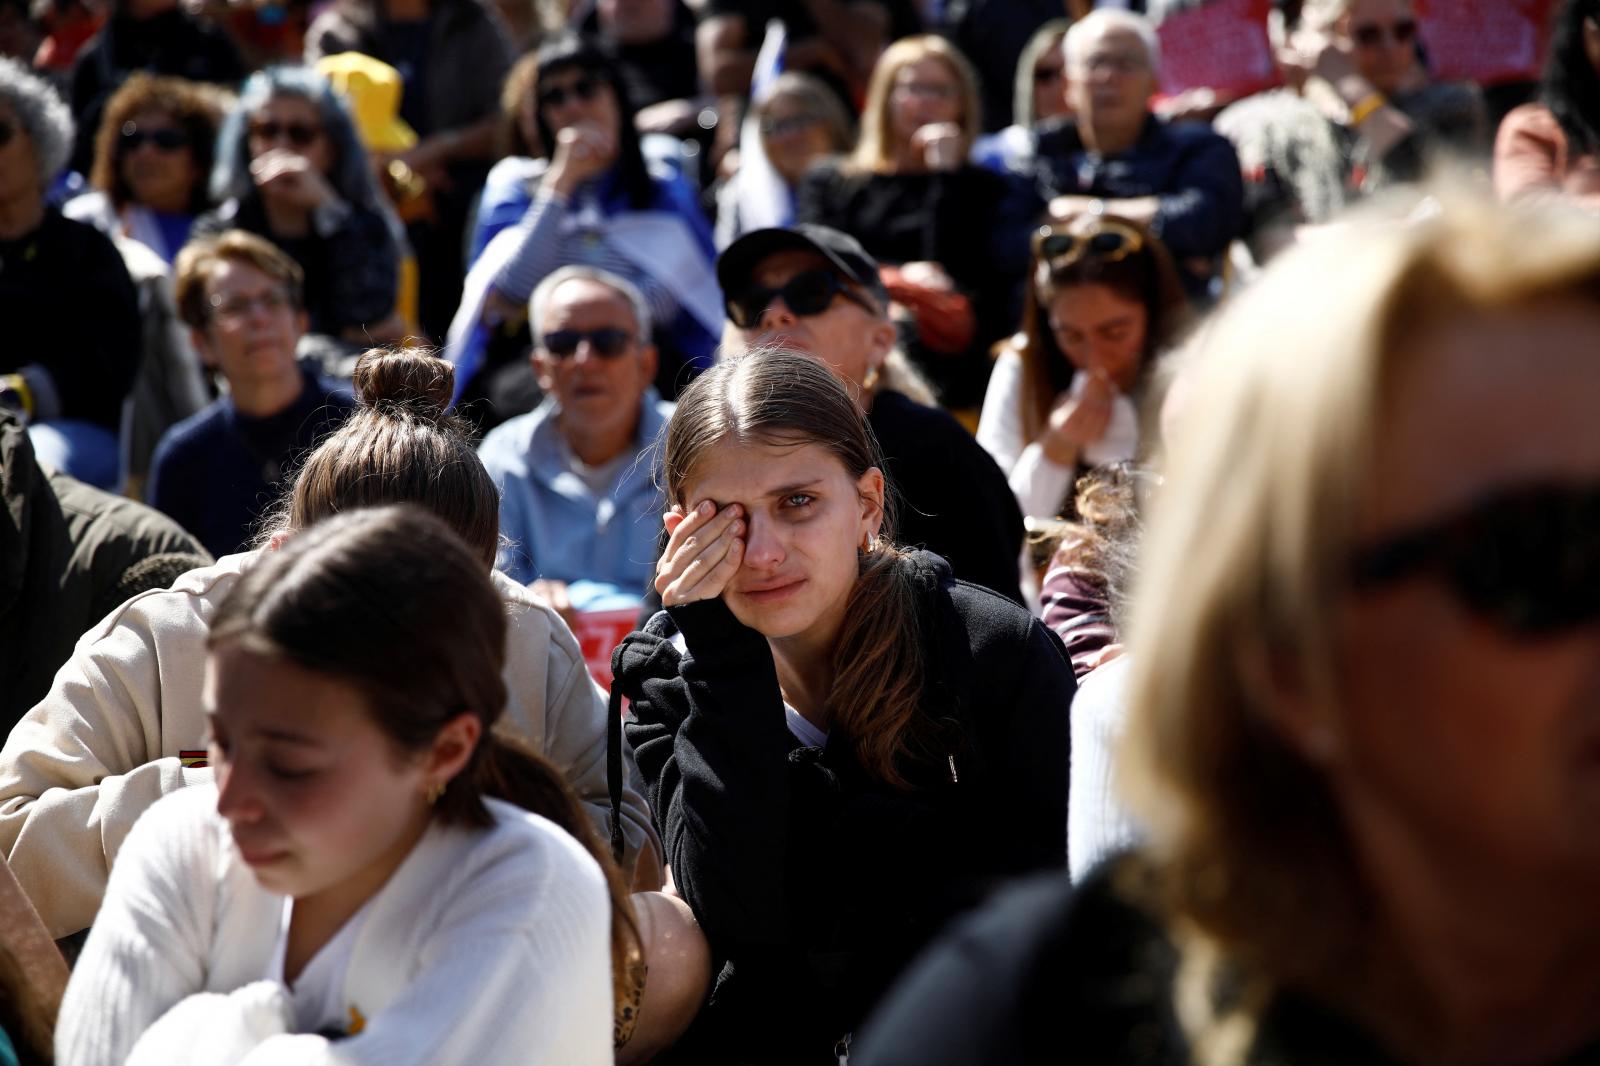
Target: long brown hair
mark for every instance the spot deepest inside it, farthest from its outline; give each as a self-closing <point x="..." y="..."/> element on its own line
<point x="342" y="597"/>
<point x="779" y="396"/>
<point x="1147" y="277"/>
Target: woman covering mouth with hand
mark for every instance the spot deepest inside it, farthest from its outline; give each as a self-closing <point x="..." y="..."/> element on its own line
<point x="844" y="745"/>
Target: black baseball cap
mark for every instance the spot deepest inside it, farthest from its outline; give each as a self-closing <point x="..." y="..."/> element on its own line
<point x="739" y="260"/>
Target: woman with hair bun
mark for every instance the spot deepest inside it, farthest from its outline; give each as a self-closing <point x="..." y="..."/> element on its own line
<point x="844" y="745"/>
<point x="376" y="875"/>
<point x="123" y="723"/>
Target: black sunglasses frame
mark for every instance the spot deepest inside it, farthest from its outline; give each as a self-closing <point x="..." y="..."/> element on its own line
<point x="745" y="310"/>
<point x="1527" y="559"/>
<point x="585" y="88"/>
<point x="608" y="343"/>
<point x="297" y="134"/>
<point x="168" y="140"/>
<point x="1372" y="34"/>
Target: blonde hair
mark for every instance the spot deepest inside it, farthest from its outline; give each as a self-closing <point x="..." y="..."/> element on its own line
<point x="874" y="150"/>
<point x="1249" y="541"/>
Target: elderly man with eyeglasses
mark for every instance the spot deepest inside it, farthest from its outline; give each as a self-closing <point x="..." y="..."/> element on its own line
<point x="1115" y="157"/>
<point x="220" y="469"/>
<point x="577" y="502"/>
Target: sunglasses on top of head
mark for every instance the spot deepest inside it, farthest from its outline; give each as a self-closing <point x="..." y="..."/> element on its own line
<point x="606" y="343"/>
<point x="1372" y="34"/>
<point x="584" y="89"/>
<point x="1107" y="241"/>
<point x="1526" y="560"/>
<point x="808" y="293"/>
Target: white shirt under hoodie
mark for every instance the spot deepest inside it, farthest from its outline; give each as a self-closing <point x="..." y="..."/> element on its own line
<point x="484" y="947"/>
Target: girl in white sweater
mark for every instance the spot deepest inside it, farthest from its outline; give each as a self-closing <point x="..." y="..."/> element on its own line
<point x="347" y="891"/>
<point x="1103" y="299"/>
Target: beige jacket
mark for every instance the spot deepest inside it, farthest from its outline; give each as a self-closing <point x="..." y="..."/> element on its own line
<point x="105" y="743"/>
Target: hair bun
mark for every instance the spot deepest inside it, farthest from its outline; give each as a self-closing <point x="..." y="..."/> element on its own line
<point x="404" y="377"/>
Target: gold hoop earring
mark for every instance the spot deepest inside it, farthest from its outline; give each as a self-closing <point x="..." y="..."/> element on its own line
<point x="435" y="790"/>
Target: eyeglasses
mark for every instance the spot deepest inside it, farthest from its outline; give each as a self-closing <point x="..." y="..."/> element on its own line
<point x="1527" y="560"/>
<point x="8" y="130"/>
<point x="808" y="293"/>
<point x="783" y="127"/>
<point x="1047" y="75"/>
<point x="584" y="89"/>
<point x="236" y="309"/>
<point x="1371" y="34"/>
<point x="298" y="133"/>
<point x="606" y="343"/>
<point x="1107" y="241"/>
<point x="166" y="140"/>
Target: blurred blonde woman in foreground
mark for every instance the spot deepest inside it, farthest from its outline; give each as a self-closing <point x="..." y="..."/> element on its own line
<point x="1364" y="730"/>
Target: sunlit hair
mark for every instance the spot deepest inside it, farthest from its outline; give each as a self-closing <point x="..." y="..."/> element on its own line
<point x="1044" y="39"/>
<point x="1147" y="277"/>
<point x="517" y="87"/>
<point x="392" y="602"/>
<point x="400" y="445"/>
<point x="817" y="99"/>
<point x="195" y="109"/>
<point x="41" y="112"/>
<point x="875" y="150"/>
<point x="1075" y="46"/>
<point x="202" y="258"/>
<point x="351" y="175"/>
<point x="780" y="397"/>
<point x="1249" y="544"/>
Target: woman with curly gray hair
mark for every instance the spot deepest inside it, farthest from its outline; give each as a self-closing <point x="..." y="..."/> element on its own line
<point x="290" y="168"/>
<point x="64" y="371"/>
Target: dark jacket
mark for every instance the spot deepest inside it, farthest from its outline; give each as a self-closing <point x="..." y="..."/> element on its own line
<point x="68" y="555"/>
<point x="1048" y="973"/>
<point x="351" y="272"/>
<point x="950" y="496"/>
<point x="815" y="882"/>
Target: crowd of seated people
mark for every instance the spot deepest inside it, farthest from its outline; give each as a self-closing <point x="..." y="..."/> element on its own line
<point x="573" y="531"/>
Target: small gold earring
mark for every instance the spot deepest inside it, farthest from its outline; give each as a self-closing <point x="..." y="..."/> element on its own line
<point x="435" y="790"/>
<point x="869" y="380"/>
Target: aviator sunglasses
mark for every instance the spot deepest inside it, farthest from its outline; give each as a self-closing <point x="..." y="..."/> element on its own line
<point x="808" y="293"/>
<point x="583" y="89"/>
<point x="299" y="134"/>
<point x="1371" y="34"/>
<point x="1527" y="560"/>
<point x="167" y="140"/>
<point x="1107" y="241"/>
<point x="606" y="343"/>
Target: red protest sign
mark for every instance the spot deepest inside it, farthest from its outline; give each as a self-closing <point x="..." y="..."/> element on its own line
<point x="1220" y="45"/>
<point x="1486" y="41"/>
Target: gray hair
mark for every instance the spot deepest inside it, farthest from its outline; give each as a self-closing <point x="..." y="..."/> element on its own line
<point x="620" y="285"/>
<point x="1103" y="20"/>
<point x="44" y="116"/>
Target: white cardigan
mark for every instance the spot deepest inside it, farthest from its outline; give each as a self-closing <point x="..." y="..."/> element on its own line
<point x="124" y="723"/>
<point x="486" y="946"/>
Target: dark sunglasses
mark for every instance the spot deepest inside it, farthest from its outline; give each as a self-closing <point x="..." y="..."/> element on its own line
<point x="1371" y="34"/>
<point x="8" y="130"/>
<point x="808" y="293"/>
<point x="168" y="140"/>
<point x="1527" y="560"/>
<point x="1107" y="241"/>
<point x="584" y="89"/>
<point x="1047" y="75"/>
<point x="298" y="134"/>
<point x="607" y="343"/>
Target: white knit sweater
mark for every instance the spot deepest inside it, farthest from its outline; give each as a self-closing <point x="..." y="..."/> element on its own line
<point x="485" y="946"/>
<point x="117" y="729"/>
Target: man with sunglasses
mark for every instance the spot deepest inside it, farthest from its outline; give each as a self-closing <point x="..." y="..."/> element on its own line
<point x="1115" y="157"/>
<point x="817" y="290"/>
<point x="577" y="502"/>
